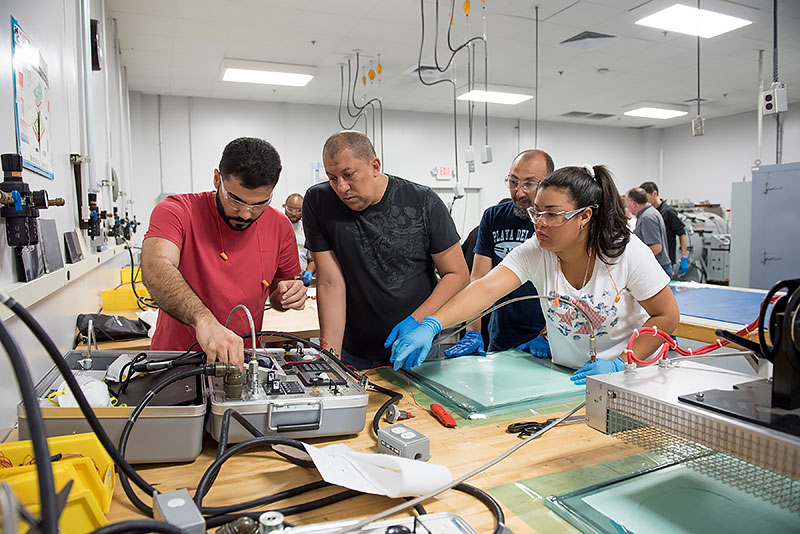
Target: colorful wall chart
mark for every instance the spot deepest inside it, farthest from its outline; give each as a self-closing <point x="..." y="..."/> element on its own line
<point x="31" y="103"/>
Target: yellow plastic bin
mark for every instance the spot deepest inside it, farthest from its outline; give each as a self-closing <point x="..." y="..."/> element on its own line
<point x="122" y="297"/>
<point x="82" y="453"/>
<point x="82" y="512"/>
<point x="125" y="276"/>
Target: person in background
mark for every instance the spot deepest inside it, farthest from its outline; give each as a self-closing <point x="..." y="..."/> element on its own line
<point x="650" y="226"/>
<point x="206" y="253"/>
<point x="673" y="224"/>
<point x="378" y="242"/>
<point x="583" y="253"/>
<point x="502" y="229"/>
<point x="293" y="208"/>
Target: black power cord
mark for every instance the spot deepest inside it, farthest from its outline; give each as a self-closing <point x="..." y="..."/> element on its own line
<point x="135" y="526"/>
<point x="41" y="452"/>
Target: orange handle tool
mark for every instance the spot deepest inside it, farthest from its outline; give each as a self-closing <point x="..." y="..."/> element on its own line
<point x="441" y="414"/>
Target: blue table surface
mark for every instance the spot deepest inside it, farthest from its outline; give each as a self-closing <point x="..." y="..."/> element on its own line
<point x="728" y="305"/>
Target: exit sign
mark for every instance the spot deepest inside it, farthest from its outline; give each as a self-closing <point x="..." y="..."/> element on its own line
<point x="444" y="173"/>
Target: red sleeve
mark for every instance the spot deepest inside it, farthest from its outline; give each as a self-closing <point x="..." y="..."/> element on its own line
<point x="288" y="259"/>
<point x="167" y="221"/>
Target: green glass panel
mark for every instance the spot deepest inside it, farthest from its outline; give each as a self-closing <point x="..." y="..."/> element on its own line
<point x="674" y="499"/>
<point x="498" y="381"/>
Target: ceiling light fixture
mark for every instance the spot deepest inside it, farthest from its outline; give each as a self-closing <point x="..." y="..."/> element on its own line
<point x="494" y="97"/>
<point x="235" y="70"/>
<point x="655" y="113"/>
<point x="693" y="21"/>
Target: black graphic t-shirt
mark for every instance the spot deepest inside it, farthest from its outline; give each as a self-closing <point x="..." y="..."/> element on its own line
<point x="499" y="233"/>
<point x="385" y="255"/>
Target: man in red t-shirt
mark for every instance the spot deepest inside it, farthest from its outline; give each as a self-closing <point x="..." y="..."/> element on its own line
<point x="205" y="253"/>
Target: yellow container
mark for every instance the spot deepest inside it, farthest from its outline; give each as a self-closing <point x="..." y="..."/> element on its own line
<point x="82" y="453"/>
<point x="125" y="276"/>
<point x="81" y="514"/>
<point x="122" y="298"/>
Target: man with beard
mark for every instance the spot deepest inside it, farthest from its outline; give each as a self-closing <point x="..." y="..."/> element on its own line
<point x="503" y="227"/>
<point x="205" y="253"/>
<point x="293" y="208"/>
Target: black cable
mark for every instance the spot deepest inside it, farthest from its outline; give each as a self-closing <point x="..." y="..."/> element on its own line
<point x="394" y="397"/>
<point x="211" y="472"/>
<point x="126" y="431"/>
<point x="41" y="452"/>
<point x="135" y="526"/>
<point x="133" y="278"/>
<point x="80" y="398"/>
<point x="774" y="40"/>
<point x="490" y="503"/>
<point x="261" y="501"/>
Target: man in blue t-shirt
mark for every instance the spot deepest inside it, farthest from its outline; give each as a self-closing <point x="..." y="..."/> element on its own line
<point x="504" y="227"/>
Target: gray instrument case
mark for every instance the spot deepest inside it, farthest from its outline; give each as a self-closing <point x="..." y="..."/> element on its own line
<point x="170" y="429"/>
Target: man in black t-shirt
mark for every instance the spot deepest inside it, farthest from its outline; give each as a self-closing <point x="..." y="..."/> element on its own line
<point x="673" y="223"/>
<point x="376" y="240"/>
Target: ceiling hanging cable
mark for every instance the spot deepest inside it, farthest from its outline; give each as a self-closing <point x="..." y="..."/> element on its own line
<point x="697" y="122"/>
<point x="536" y="81"/>
<point x="778" y="125"/>
<point x="360" y="110"/>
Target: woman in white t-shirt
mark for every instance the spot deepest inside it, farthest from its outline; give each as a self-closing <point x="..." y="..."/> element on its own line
<point x="584" y="252"/>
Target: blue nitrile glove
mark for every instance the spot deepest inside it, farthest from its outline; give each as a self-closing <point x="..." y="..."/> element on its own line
<point x="683" y="266"/>
<point x="412" y="347"/>
<point x="400" y="329"/>
<point x="306" y="277"/>
<point x="537" y="346"/>
<point x="597" y="367"/>
<point x="471" y="343"/>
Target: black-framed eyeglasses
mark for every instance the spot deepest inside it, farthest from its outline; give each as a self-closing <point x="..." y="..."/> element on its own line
<point x="555" y="218"/>
<point x="527" y="184"/>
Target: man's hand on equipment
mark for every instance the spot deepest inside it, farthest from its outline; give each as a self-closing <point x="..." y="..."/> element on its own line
<point x="412" y="348"/>
<point x="538" y="347"/>
<point x="400" y="329"/>
<point x="683" y="267"/>
<point x="292" y="294"/>
<point x="471" y="343"/>
<point x="597" y="367"/>
<point x="219" y="343"/>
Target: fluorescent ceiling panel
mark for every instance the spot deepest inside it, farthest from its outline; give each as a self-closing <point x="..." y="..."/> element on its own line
<point x="692" y="21"/>
<point x="494" y="97"/>
<point x="266" y="73"/>
<point x="655" y="113"/>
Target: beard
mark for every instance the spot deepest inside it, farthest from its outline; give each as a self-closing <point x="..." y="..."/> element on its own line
<point x="521" y="208"/>
<point x="234" y="223"/>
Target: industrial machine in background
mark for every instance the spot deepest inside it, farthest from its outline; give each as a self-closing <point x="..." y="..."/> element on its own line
<point x="708" y="243"/>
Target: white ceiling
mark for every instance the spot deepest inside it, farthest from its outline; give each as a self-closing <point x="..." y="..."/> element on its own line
<point x="176" y="47"/>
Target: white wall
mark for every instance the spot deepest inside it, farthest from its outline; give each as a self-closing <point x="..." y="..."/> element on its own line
<point x="703" y="168"/>
<point x="54" y="28"/>
<point x="414" y="144"/>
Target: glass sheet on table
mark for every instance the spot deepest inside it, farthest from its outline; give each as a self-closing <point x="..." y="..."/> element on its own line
<point x="674" y="499"/>
<point x="497" y="382"/>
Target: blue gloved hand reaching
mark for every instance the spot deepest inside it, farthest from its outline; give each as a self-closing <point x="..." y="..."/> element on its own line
<point x="412" y="348"/>
<point x="306" y="277"/>
<point x="471" y="343"/>
<point x="538" y="347"/>
<point x="597" y="367"/>
<point x="683" y="266"/>
<point x="400" y="329"/>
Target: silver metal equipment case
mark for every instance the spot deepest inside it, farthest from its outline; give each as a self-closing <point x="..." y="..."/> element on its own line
<point x="661" y="408"/>
<point x="170" y="429"/>
<point x="297" y="395"/>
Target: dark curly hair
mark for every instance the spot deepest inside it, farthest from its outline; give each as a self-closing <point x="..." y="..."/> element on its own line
<point x="253" y="161"/>
<point x="608" y="228"/>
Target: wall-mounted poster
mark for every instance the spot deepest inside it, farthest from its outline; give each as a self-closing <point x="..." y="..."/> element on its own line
<point x="31" y="103"/>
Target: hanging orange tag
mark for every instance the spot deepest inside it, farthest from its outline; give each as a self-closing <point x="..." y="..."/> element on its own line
<point x="223" y="256"/>
<point x="265" y="284"/>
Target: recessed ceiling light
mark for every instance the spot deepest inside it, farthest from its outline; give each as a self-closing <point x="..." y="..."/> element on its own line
<point x="655" y="113"/>
<point x="266" y="73"/>
<point x="494" y="97"/>
<point x="692" y="21"/>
